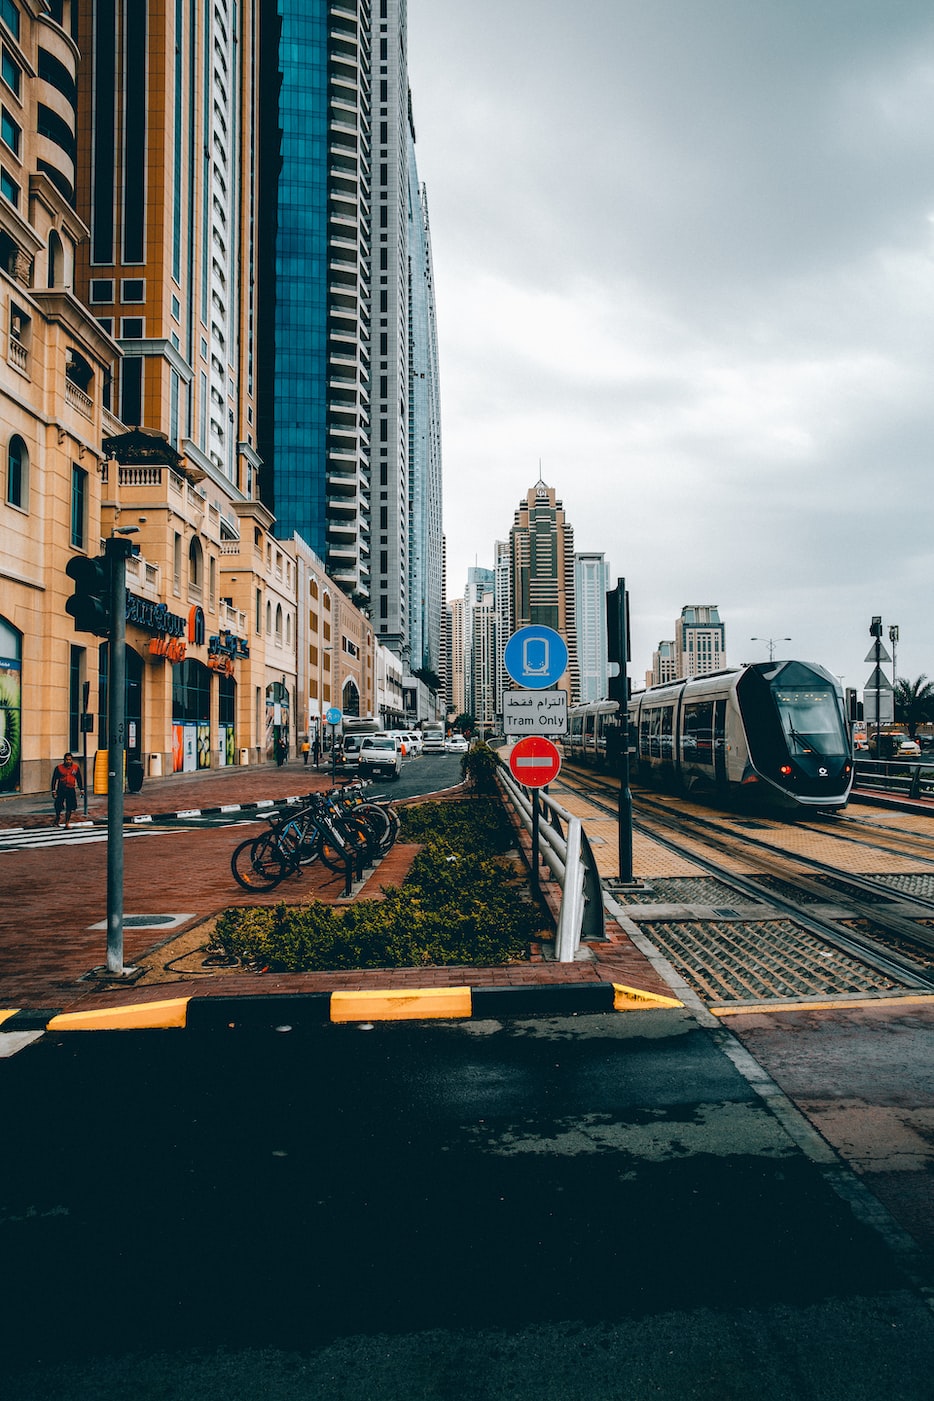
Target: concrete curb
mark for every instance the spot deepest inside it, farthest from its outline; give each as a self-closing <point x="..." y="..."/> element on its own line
<point x="316" y="1010"/>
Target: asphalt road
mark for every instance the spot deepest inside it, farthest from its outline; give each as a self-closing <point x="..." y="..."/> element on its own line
<point x="553" y="1208"/>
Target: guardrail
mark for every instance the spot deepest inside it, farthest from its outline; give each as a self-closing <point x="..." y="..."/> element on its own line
<point x="912" y="778"/>
<point x="570" y="861"/>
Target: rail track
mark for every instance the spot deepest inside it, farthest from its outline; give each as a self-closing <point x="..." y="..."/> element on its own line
<point x="763" y="917"/>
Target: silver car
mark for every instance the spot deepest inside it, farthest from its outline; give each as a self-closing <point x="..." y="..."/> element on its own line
<point x="381" y="754"/>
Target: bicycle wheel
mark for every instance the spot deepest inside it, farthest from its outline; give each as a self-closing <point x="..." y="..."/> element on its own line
<point x="343" y="838"/>
<point x="379" y="820"/>
<point x="257" y="863"/>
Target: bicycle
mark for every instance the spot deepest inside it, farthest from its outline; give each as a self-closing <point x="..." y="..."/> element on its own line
<point x="320" y="829"/>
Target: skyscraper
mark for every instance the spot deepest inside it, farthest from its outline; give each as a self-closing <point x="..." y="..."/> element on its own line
<point x="314" y="361"/>
<point x="542" y="572"/>
<point x="349" y="420"/>
<point x="700" y="641"/>
<point x="591" y="581"/>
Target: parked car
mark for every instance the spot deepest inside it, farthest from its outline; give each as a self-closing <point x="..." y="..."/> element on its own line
<point x="413" y="742"/>
<point x="381" y="754"/>
<point x="457" y="744"/>
<point x="907" y="749"/>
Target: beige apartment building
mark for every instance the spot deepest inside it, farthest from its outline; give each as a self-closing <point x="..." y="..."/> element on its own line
<point x="234" y="639"/>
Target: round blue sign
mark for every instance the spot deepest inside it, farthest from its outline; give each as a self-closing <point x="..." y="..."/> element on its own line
<point x="333" y="716"/>
<point x="536" y="657"/>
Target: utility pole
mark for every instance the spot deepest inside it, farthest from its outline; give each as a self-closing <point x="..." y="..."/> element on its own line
<point x="117" y="550"/>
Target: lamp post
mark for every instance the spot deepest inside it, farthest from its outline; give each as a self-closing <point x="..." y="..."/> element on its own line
<point x="893" y="638"/>
<point x="770" y="642"/>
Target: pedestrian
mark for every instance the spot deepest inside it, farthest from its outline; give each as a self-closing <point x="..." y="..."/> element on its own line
<point x="280" y="752"/>
<point x="66" y="781"/>
<point x="316" y="749"/>
<point x="306" y="750"/>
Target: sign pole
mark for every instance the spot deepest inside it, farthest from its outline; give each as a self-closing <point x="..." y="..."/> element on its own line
<point x="536" y="887"/>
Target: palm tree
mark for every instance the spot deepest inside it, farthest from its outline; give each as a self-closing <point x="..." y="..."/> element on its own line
<point x="914" y="701"/>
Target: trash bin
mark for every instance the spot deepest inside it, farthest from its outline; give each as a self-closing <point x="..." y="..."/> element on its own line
<point x="155" y="766"/>
<point x="244" y="756"/>
<point x="134" y="775"/>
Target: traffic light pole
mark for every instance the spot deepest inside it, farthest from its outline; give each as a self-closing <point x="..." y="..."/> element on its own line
<point x="117" y="551"/>
<point x="617" y="620"/>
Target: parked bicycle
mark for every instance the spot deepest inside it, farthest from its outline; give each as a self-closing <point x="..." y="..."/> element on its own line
<point x="341" y="829"/>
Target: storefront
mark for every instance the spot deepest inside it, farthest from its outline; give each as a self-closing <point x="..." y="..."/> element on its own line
<point x="11" y="711"/>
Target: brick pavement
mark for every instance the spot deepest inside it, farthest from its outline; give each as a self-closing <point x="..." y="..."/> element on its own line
<point x="53" y="896"/>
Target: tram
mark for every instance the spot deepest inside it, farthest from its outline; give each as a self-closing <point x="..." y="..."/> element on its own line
<point x="775" y="731"/>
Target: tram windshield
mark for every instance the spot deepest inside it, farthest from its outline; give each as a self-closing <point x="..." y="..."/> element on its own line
<point x="810" y="718"/>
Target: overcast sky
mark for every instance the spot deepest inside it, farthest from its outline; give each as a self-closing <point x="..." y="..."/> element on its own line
<point x="683" y="260"/>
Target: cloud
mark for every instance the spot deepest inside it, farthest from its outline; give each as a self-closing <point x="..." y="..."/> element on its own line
<point x="683" y="260"/>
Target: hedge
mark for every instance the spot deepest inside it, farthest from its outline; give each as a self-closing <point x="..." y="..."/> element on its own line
<point x="461" y="903"/>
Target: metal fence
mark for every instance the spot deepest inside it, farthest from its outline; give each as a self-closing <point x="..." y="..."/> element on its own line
<point x="571" y="862"/>
<point x="907" y="777"/>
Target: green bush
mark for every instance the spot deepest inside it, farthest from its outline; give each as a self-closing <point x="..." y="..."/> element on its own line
<point x="460" y="904"/>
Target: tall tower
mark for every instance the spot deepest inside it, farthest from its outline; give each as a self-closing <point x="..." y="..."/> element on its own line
<point x="542" y="572"/>
<point x="426" y="556"/>
<point x="700" y="641"/>
<point x="167" y="183"/>
<point x="591" y="582"/>
<point x="314" y="365"/>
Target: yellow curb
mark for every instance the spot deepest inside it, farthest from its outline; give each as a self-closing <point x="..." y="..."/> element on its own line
<point x="823" y="1005"/>
<point x="139" y="1017"/>
<point x="5" y="1014"/>
<point x="405" y="1004"/>
<point x="634" y="999"/>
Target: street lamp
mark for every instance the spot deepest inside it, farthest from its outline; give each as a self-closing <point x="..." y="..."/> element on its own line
<point x="770" y="641"/>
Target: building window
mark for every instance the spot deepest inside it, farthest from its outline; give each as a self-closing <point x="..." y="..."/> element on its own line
<point x="10" y="16"/>
<point x="133" y="289"/>
<point x="79" y="507"/>
<point x="195" y="567"/>
<point x="17" y="474"/>
<point x="9" y="188"/>
<point x="10" y="72"/>
<point x="10" y="132"/>
<point x="102" y="289"/>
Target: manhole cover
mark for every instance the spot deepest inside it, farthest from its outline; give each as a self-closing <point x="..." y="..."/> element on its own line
<point x="149" y="921"/>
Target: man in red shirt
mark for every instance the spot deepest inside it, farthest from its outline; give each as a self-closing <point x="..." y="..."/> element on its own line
<point x="66" y="781"/>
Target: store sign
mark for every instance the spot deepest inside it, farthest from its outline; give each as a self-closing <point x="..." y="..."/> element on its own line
<point x="154" y="617"/>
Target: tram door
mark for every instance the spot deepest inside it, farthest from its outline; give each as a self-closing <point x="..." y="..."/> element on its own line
<point x="719" y="741"/>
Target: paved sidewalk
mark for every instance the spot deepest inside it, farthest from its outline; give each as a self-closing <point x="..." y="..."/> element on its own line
<point x="53" y="921"/>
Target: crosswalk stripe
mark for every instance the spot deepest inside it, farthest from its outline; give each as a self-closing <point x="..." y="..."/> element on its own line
<point x="27" y="839"/>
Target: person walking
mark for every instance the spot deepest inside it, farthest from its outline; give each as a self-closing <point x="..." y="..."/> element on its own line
<point x="66" y="783"/>
<point x="306" y="750"/>
<point x="316" y="750"/>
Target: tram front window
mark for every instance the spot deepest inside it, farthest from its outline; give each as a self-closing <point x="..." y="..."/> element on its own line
<point x="811" y="720"/>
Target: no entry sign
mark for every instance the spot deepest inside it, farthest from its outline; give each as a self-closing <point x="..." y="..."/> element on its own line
<point x="534" y="762"/>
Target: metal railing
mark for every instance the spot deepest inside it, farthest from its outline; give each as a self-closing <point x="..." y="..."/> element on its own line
<point x="570" y="861"/>
<point x="911" y="778"/>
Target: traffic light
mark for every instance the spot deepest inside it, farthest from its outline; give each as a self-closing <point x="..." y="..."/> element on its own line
<point x="89" y="605"/>
<point x="617" y="641"/>
<point x="875" y="628"/>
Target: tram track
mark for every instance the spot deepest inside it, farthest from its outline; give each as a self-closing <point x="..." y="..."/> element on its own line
<point x="878" y="939"/>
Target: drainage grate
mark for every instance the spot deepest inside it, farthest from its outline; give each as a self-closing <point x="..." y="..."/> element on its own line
<point x="679" y="890"/>
<point x="845" y="888"/>
<point x="920" y="883"/>
<point x="786" y="891"/>
<point x="757" y="960"/>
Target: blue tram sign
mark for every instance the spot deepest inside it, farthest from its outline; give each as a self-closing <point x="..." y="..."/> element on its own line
<point x="536" y="657"/>
<point x="333" y="716"/>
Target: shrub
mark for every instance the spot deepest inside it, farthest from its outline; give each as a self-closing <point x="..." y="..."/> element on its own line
<point x="460" y="904"/>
